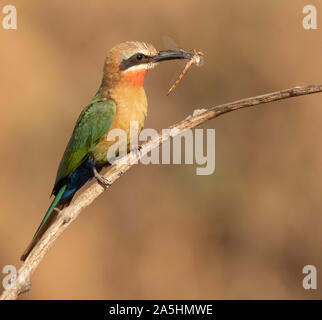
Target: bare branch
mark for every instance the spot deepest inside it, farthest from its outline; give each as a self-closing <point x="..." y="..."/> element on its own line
<point x="69" y="214"/>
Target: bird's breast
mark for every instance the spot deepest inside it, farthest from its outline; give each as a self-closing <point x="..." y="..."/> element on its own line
<point x="131" y="105"/>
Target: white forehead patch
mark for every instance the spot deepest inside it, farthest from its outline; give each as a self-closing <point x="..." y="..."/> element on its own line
<point x="137" y="47"/>
<point x="144" y="48"/>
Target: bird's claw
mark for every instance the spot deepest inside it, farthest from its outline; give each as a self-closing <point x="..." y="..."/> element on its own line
<point x="136" y="149"/>
<point x="105" y="183"/>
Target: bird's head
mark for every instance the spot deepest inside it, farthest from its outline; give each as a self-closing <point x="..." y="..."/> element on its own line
<point x="130" y="61"/>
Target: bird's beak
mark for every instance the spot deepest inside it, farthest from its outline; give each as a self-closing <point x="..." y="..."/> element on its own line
<point x="164" y="55"/>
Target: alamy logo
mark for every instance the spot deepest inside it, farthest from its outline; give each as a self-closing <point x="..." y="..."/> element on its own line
<point x="310" y="280"/>
<point x="9" y="281"/>
<point x="193" y="141"/>
<point x="310" y="20"/>
<point x="9" y="21"/>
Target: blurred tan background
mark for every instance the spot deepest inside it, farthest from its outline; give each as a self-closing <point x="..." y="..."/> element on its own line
<point x="244" y="232"/>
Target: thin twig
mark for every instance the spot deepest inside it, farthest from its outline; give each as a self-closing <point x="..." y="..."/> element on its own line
<point x="122" y="165"/>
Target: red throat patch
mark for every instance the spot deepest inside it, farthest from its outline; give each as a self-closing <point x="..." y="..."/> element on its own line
<point x="135" y="77"/>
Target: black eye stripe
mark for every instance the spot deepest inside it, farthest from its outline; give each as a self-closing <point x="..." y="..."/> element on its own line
<point x="136" y="59"/>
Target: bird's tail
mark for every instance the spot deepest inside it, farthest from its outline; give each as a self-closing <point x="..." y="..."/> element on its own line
<point x="49" y="217"/>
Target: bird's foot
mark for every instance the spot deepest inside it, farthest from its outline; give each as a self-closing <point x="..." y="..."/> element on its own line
<point x="62" y="214"/>
<point x="136" y="148"/>
<point x="105" y="183"/>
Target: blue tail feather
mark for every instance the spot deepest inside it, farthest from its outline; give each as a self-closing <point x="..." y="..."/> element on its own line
<point x="80" y="176"/>
<point x="63" y="197"/>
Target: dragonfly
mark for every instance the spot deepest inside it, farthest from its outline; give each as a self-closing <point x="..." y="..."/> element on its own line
<point x="196" y="59"/>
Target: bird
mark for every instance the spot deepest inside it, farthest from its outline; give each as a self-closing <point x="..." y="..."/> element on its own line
<point x="119" y="100"/>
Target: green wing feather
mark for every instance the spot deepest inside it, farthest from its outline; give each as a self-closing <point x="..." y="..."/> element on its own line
<point x="91" y="126"/>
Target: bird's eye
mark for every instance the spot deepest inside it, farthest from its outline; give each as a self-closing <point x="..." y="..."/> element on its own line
<point x="139" y="56"/>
